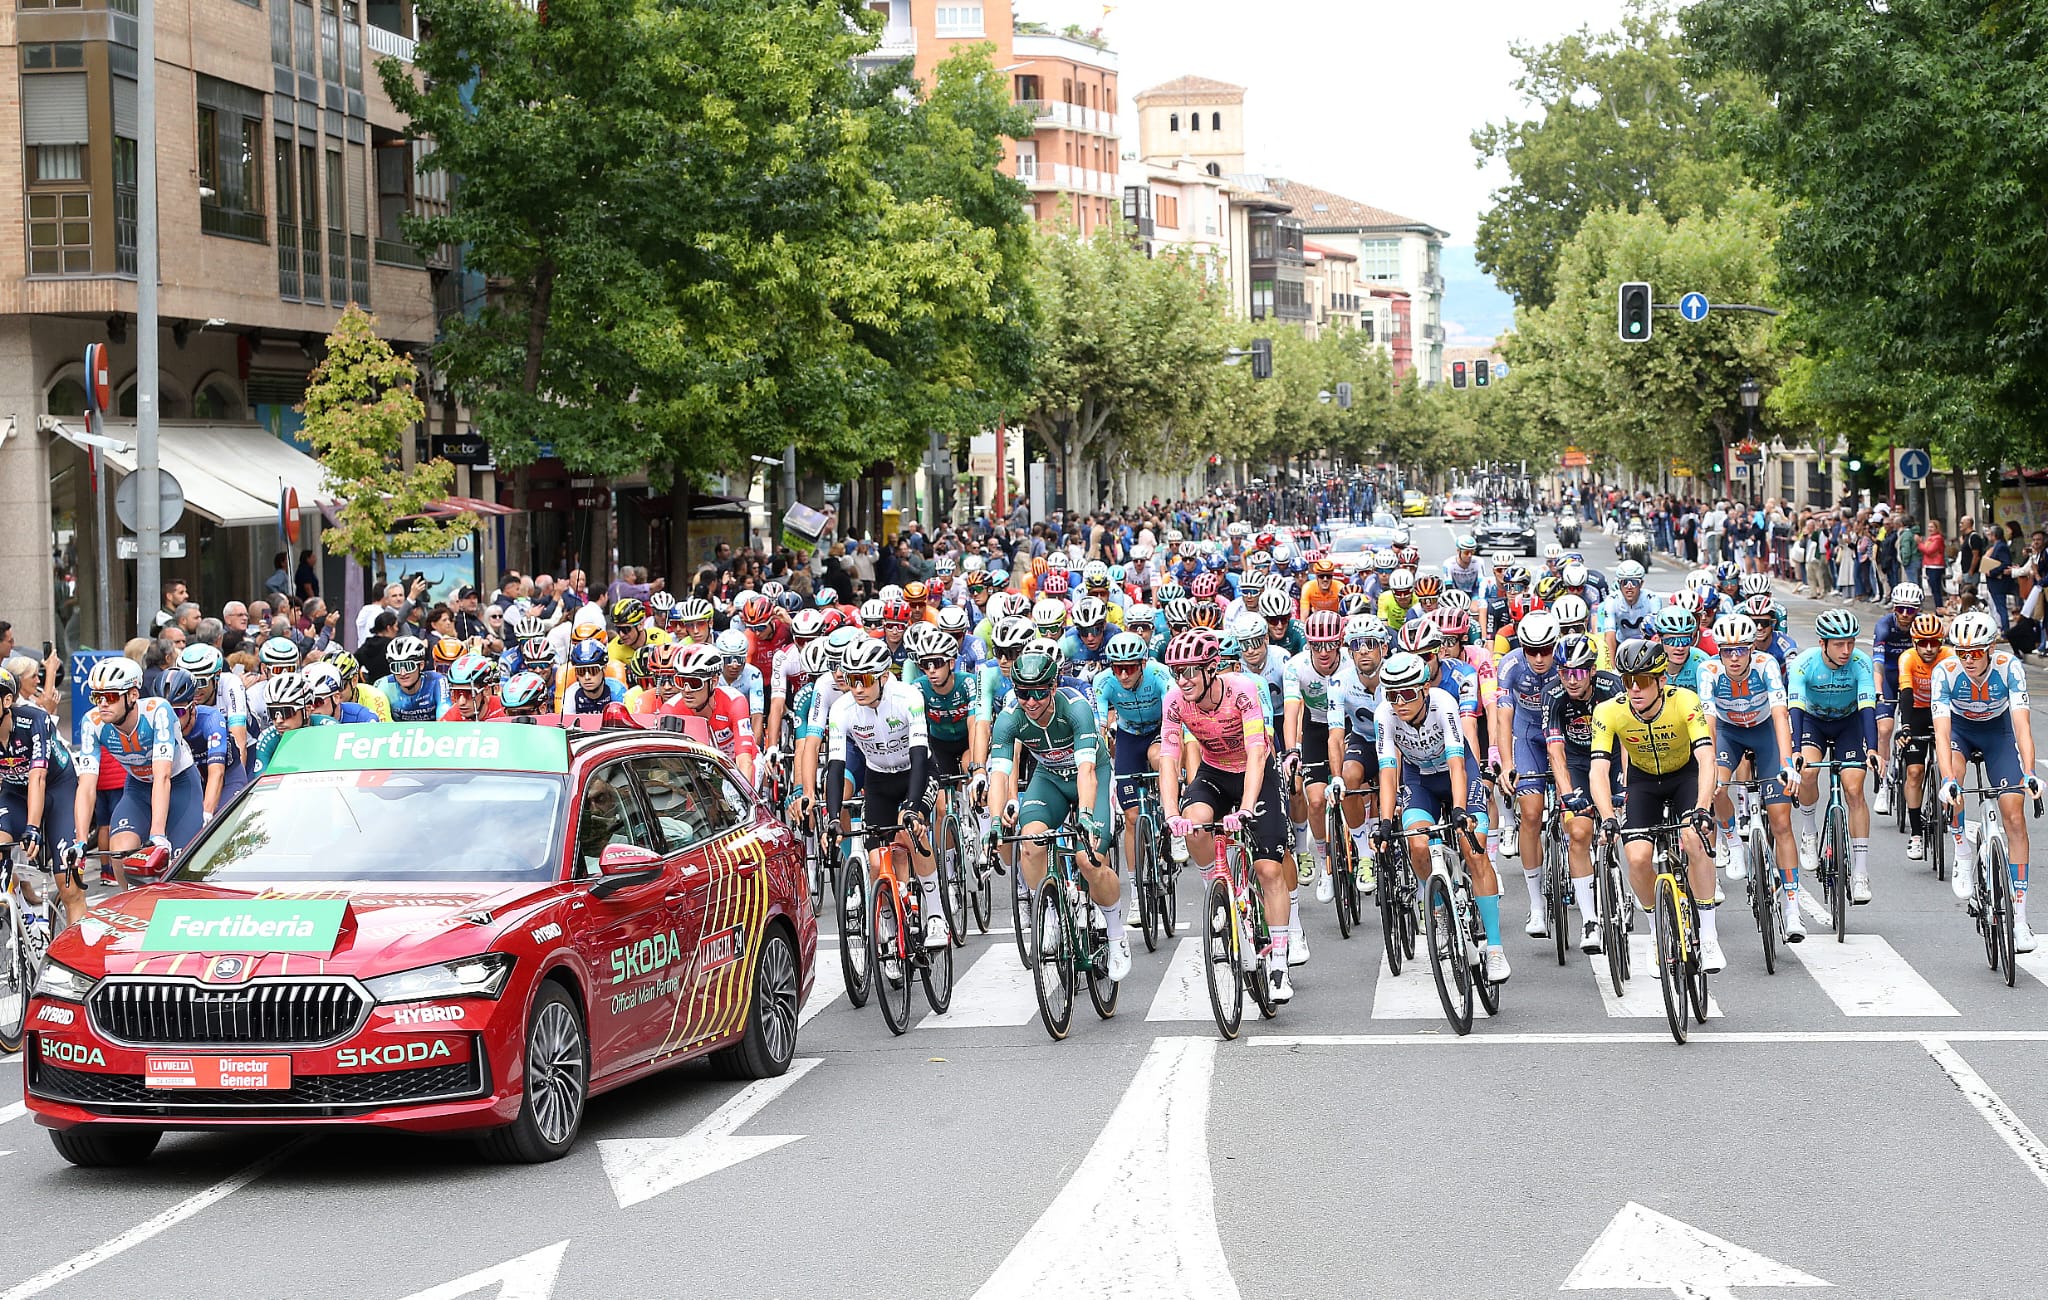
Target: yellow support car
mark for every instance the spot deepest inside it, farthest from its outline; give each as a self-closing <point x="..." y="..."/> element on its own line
<point x="1414" y="503"/>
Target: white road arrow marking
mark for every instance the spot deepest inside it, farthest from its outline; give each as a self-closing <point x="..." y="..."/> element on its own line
<point x="995" y="991"/>
<point x="1184" y="993"/>
<point x="642" y="1168"/>
<point x="529" y="1277"/>
<point x="827" y="986"/>
<point x="1642" y="1250"/>
<point x="1137" y="1221"/>
<point x="1642" y="997"/>
<point x="1412" y="994"/>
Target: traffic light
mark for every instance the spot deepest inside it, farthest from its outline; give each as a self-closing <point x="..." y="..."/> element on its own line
<point x="1634" y="323"/>
<point x="1479" y="372"/>
<point x="1457" y="374"/>
<point x="1262" y="358"/>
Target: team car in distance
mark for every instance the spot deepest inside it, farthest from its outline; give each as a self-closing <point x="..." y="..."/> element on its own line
<point x="1414" y="502"/>
<point x="434" y="927"/>
<point x="1506" y="530"/>
<point x="1463" y="506"/>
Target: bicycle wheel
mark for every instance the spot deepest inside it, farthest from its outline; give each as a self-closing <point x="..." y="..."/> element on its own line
<point x="1258" y="936"/>
<point x="1671" y="973"/>
<point x="935" y="969"/>
<point x="1695" y="966"/>
<point x="1020" y="902"/>
<point x="1394" y="911"/>
<point x="1898" y="785"/>
<point x="1145" y="886"/>
<point x="856" y="956"/>
<point x="1556" y="887"/>
<point x="1447" y="953"/>
<point x="981" y="893"/>
<point x="2000" y="874"/>
<point x="1933" y="832"/>
<point x="893" y="975"/>
<point x="1102" y="989"/>
<point x="1613" y="939"/>
<point x="1223" y="958"/>
<point x="947" y="856"/>
<point x="1836" y="863"/>
<point x="1167" y="901"/>
<point x="1052" y="974"/>
<point x="1488" y="990"/>
<point x="16" y="977"/>
<point x="1343" y="888"/>
<point x="1765" y="902"/>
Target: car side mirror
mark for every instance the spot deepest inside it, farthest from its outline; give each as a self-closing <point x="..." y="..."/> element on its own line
<point x="151" y="866"/>
<point x="622" y="866"/>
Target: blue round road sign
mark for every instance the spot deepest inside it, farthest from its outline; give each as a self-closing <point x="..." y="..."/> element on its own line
<point x="1914" y="465"/>
<point x="1693" y="307"/>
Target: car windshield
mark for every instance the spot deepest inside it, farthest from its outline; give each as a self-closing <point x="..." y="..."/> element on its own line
<point x="1381" y="519"/>
<point x="388" y="826"/>
<point x="1463" y="496"/>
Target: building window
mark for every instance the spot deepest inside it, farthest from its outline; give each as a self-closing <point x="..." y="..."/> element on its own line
<point x="1173" y="123"/>
<point x="287" y="218"/>
<point x="127" y="205"/>
<point x="1379" y="259"/>
<point x="66" y="397"/>
<point x="1194" y="121"/>
<point x="1262" y="240"/>
<point x="1288" y="302"/>
<point x="56" y="163"/>
<point x="959" y="20"/>
<point x="60" y="234"/>
<point x="1030" y="89"/>
<point x="46" y="55"/>
<point x="230" y="160"/>
<point x="1215" y="121"/>
<point x="217" y="401"/>
<point x="302" y="37"/>
<point x="1027" y="160"/>
<point x="309" y="221"/>
<point x="1262" y="299"/>
<point x="1369" y="325"/>
<point x="1166" y="211"/>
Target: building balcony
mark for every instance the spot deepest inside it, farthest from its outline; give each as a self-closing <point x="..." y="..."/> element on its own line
<point x="385" y="43"/>
<point x="1432" y="333"/>
<point x="1074" y="117"/>
<point x="1432" y="282"/>
<point x="1061" y="176"/>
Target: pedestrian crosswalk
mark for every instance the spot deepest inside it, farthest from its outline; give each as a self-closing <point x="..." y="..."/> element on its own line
<point x="1864" y="977"/>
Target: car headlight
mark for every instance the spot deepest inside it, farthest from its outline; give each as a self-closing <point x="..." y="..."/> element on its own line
<point x="481" y="976"/>
<point x="60" y="981"/>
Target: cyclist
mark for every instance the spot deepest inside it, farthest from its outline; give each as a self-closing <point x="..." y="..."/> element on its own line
<point x="1464" y="571"/>
<point x="1314" y="749"/>
<point x="631" y="631"/>
<point x="1568" y="736"/>
<point x="1889" y="641"/>
<point x="1422" y="778"/>
<point x="768" y="630"/>
<point x="1056" y="727"/>
<point x="700" y="692"/>
<point x="1980" y="712"/>
<point x="1678" y="631"/>
<point x="1626" y="614"/>
<point x="1357" y="694"/>
<point x="472" y="690"/>
<point x="1916" y="715"/>
<point x="1082" y="646"/>
<point x="1258" y="658"/>
<point x="416" y="694"/>
<point x="275" y="657"/>
<point x="694" y="617"/>
<point x="1276" y="608"/>
<point x="38" y="780"/>
<point x="588" y="686"/>
<point x="222" y="691"/>
<point x="935" y="670"/>
<point x="1521" y="706"/>
<point x="291" y="708"/>
<point x="1398" y="601"/>
<point x="1834" y="710"/>
<point x="161" y="799"/>
<point x="1129" y="700"/>
<point x="221" y="774"/>
<point x="1661" y="732"/>
<point x="1769" y="618"/>
<point x="1324" y="590"/>
<point x="740" y="676"/>
<point x="525" y="695"/>
<point x="360" y="692"/>
<point x="1234" y="781"/>
<point x="1746" y="708"/>
<point x="330" y="695"/>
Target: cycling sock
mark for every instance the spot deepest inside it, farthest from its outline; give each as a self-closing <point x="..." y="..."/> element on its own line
<point x="1588" y="896"/>
<point x="1321" y="852"/>
<point x="1859" y="856"/>
<point x="1279" y="950"/>
<point x="1533" y="878"/>
<point x="1113" y="919"/>
<point x="1489" y="917"/>
<point x="1809" y="818"/>
<point x="1301" y="840"/>
<point x="2019" y="882"/>
<point x="1706" y="920"/>
<point x="1293" y="909"/>
<point x="1916" y="821"/>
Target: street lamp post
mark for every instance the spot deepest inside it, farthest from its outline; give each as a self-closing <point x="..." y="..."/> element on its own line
<point x="1752" y="394"/>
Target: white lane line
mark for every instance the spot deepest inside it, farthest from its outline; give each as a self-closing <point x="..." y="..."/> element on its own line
<point x="1137" y="1221"/>
<point x="1184" y="993"/>
<point x="142" y="1232"/>
<point x="1991" y="1106"/>
<point x="2033" y="963"/>
<point x="1621" y="1039"/>
<point x="1642" y="997"/>
<point x="13" y="1111"/>
<point x="995" y="991"/>
<point x="1865" y="976"/>
<point x="827" y="987"/>
<point x="1411" y="995"/>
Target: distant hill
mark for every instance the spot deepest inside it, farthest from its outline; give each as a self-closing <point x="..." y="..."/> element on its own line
<point x="1475" y="310"/>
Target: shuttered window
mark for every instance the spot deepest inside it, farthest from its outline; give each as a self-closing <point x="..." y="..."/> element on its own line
<point x="53" y="108"/>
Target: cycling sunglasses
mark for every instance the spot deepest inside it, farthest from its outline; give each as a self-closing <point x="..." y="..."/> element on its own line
<point x="1643" y="679"/>
<point x="590" y="670"/>
<point x="1034" y="694"/>
<point x="1127" y="666"/>
<point x="862" y="679"/>
<point x="1407" y="694"/>
<point x="1189" y="672"/>
<point x="1737" y="647"/>
<point x="935" y="664"/>
<point x="1575" y="674"/>
<point x="108" y="697"/>
<point x="1983" y="652"/>
<point x="1678" y="642"/>
<point x="696" y="683"/>
<point x="1544" y="650"/>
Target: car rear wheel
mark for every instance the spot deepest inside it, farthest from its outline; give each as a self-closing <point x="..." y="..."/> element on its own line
<point x="557" y="1083"/>
<point x="104" y="1146"/>
<point x="770" y="1041"/>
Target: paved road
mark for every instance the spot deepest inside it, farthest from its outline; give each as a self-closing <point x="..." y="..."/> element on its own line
<point x="1864" y="1119"/>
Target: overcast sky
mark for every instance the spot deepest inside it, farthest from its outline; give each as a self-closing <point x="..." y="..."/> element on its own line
<point x="1374" y="101"/>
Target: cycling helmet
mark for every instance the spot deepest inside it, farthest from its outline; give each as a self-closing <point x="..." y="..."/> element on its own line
<point x="587" y="654"/>
<point x="869" y="657"/>
<point x="1571" y="613"/>
<point x="1929" y="627"/>
<point x="1009" y="635"/>
<point x="628" y="613"/>
<point x="1700" y="580"/>
<point x="1194" y="648"/>
<point x="1404" y="672"/>
<point x="447" y="650"/>
<point x="1260" y="560"/>
<point x="1975" y="630"/>
<point x="915" y="592"/>
<point x="1727" y="571"/>
<point x="473" y="670"/>
<point x="119" y="673"/>
<point x="1676" y="621"/>
<point x="1840" y="624"/>
<point x="1324" y="567"/>
<point x="1735" y="630"/>
<point x="757" y="610"/>
<point x="279" y="652"/>
<point x="919" y="642"/>
<point x="1421" y="636"/>
<point x="773" y="589"/>
<point x="1456" y="599"/>
<point x="807" y="623"/>
<point x="842" y="640"/>
<point x="943" y="566"/>
<point x="977" y="579"/>
<point x="1090" y="614"/>
<point x="1906" y="595"/>
<point x="409" y="652"/>
<point x="1552" y="552"/>
<point x="1517" y="578"/>
<point x="1138" y="616"/>
<point x="202" y="661"/>
<point x="953" y="621"/>
<point x="818" y="658"/>
<point x="1690" y="601"/>
<point x="523" y="694"/>
<point x="176" y="686"/>
<point x="1096" y="576"/>
<point x="1501" y="559"/>
<point x="8" y="687"/>
<point x="324" y="680"/>
<point x="694" y="610"/>
<point x="1361" y="630"/>
<point x="662" y="603"/>
<point x="731" y="644"/>
<point x="1178" y="612"/>
<point x="895" y="610"/>
<point x="871" y="612"/>
<point x="1248" y="628"/>
<point x="1761" y="608"/>
<point x="1409" y="556"/>
<point x="1759" y="584"/>
<point x="1205" y="615"/>
<point x="1053" y="584"/>
<point x="1385" y="560"/>
<point x="1456" y="621"/>
<point x="1205" y="586"/>
<point x="1538" y="630"/>
<point x="1124" y="648"/>
<point x="1274" y="602"/>
<point x="706" y="661"/>
<point x="1049" y="614"/>
<point x="1628" y="571"/>
<point x="1576" y="651"/>
<point x="652" y="661"/>
<point x="590" y="628"/>
<point x="1037" y="668"/>
<point x="1168" y="592"/>
<point x="1574" y="575"/>
<point x="1428" y="587"/>
<point x="1354" y="602"/>
<point x="288" y="693"/>
<point x="1466" y="542"/>
<point x="1324" y="628"/>
<point x="1639" y="657"/>
<point x="1401" y="581"/>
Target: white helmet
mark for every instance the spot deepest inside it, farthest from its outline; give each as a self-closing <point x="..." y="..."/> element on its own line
<point x="1734" y="629"/>
<point x="119" y="673"/>
<point x="1571" y="611"/>
<point x="1908" y="594"/>
<point x="1537" y="629"/>
<point x="1403" y="580"/>
<point x="1973" y="631"/>
<point x="1274" y="602"/>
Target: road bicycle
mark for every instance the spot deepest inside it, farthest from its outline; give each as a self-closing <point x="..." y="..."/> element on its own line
<point x="1617" y="904"/>
<point x="1833" y="865"/>
<point x="1991" y="903"/>
<point x="896" y="918"/>
<point x="850" y="887"/>
<point x="1895" y="773"/>
<point x="1457" y="938"/>
<point x="1400" y="904"/>
<point x="1235" y="936"/>
<point x="1680" y="972"/>
<point x="950" y="853"/>
<point x="1081" y="942"/>
<point x="1344" y="862"/>
<point x="1155" y="876"/>
<point x="31" y="926"/>
<point x="1934" y="844"/>
<point x="1767" y="890"/>
<point x="1557" y="872"/>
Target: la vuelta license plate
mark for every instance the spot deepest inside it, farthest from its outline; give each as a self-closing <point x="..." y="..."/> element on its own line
<point x="218" y="1073"/>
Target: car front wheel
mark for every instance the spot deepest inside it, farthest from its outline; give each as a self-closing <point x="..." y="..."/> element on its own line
<point x="105" y="1146"/>
<point x="556" y="1085"/>
<point x="770" y="1041"/>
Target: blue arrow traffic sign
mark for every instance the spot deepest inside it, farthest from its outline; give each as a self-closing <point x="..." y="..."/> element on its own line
<point x="1914" y="465"/>
<point x="1693" y="307"/>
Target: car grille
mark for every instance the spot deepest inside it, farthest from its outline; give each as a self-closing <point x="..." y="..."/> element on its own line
<point x="178" y="1014"/>
<point x="125" y="1093"/>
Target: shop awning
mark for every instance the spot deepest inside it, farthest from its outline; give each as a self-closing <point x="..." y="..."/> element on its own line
<point x="230" y="473"/>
